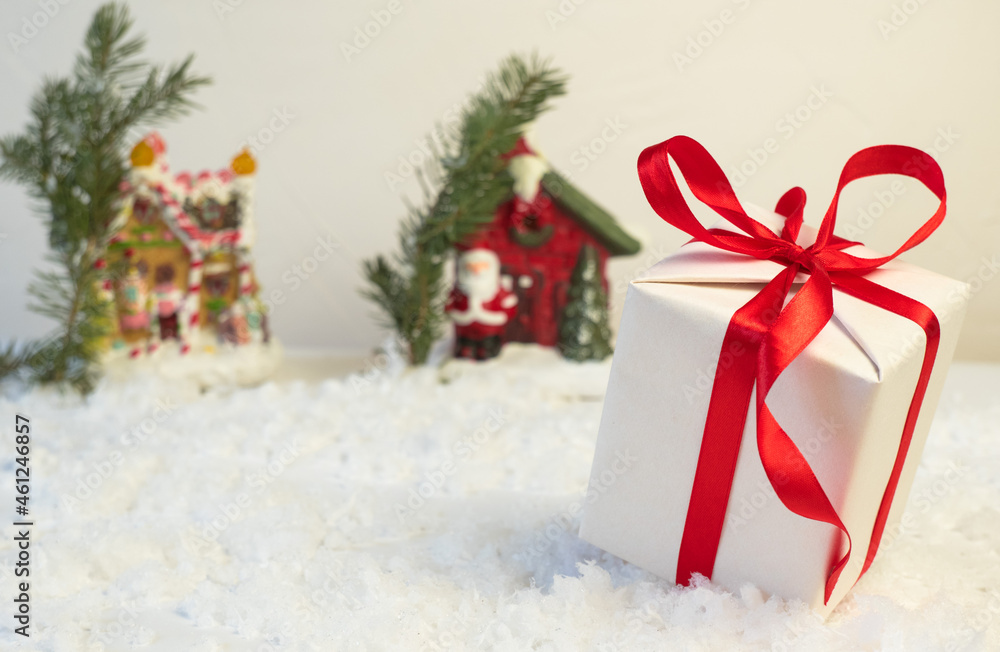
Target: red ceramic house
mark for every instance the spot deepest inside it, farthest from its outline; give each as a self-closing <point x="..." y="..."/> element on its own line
<point x="538" y="234"/>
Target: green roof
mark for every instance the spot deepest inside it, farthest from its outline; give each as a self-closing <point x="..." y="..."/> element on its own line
<point x="590" y="215"/>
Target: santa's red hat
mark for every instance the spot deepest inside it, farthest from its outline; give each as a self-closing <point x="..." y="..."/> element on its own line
<point x="476" y="241"/>
<point x="520" y="149"/>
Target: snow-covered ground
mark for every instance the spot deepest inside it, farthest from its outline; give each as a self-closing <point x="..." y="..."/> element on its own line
<point x="428" y="510"/>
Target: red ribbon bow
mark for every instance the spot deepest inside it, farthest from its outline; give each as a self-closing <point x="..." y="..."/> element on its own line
<point x="776" y="341"/>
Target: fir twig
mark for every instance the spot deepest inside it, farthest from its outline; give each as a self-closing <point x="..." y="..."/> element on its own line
<point x="473" y="182"/>
<point x="72" y="159"/>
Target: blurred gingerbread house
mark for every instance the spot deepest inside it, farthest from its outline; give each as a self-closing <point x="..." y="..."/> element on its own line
<point x="182" y="253"/>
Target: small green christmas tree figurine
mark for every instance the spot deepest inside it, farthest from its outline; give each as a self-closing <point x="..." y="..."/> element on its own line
<point x="72" y="158"/>
<point x="583" y="330"/>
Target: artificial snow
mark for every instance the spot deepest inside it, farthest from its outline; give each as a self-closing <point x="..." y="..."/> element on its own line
<point x="431" y="509"/>
<point x="207" y="363"/>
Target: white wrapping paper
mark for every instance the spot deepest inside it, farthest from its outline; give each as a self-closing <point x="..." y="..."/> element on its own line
<point x="843" y="401"/>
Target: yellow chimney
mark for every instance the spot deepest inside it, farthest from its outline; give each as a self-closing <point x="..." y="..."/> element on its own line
<point x="244" y="163"/>
<point x="142" y="155"/>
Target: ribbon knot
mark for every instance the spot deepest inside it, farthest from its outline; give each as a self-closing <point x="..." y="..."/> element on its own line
<point x="802" y="257"/>
<point x="774" y="342"/>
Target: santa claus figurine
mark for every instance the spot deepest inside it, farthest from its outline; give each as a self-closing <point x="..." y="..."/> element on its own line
<point x="481" y="304"/>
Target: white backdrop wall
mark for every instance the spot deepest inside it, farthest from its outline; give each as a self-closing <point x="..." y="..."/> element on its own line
<point x="781" y="91"/>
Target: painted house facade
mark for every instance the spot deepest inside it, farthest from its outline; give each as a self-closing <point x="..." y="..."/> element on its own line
<point x="183" y="246"/>
<point x="538" y="234"/>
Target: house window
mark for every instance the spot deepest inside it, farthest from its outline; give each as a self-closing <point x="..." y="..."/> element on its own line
<point x="231" y="214"/>
<point x="217" y="285"/>
<point x="144" y="210"/>
<point x="211" y="214"/>
<point x="193" y="211"/>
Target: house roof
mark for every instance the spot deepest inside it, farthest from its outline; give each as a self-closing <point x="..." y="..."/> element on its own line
<point x="150" y="170"/>
<point x="589" y="214"/>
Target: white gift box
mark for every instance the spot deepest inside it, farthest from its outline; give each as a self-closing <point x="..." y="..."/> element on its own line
<point x="843" y="402"/>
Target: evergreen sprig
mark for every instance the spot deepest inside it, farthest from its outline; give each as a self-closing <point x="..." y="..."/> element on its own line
<point x="472" y="178"/>
<point x="72" y="159"/>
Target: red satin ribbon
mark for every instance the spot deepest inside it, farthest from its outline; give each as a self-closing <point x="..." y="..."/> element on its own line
<point x="775" y="333"/>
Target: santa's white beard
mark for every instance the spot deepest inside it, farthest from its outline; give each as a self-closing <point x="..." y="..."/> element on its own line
<point x="479" y="289"/>
<point x="483" y="286"/>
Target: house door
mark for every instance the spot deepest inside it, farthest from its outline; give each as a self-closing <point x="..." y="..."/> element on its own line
<point x="547" y="332"/>
<point x="528" y="286"/>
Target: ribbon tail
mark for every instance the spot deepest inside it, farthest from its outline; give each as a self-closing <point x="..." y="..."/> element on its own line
<point x="797" y="486"/>
<point x="729" y="407"/>
<point x="924" y="317"/>
<point x="793" y="479"/>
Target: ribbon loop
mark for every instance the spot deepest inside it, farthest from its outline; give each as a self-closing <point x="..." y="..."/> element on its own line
<point x="876" y="161"/>
<point x="778" y="333"/>
<point x="791" y="206"/>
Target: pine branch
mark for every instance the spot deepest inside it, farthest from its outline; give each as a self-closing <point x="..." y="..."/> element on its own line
<point x="13" y="361"/>
<point x="163" y="96"/>
<point x="514" y="96"/>
<point x="471" y="171"/>
<point x="72" y="158"/>
<point x="106" y="53"/>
